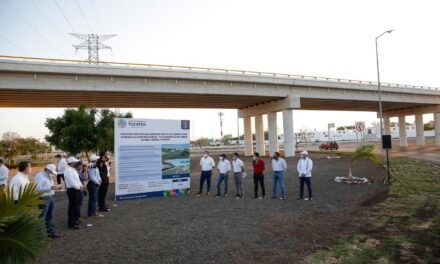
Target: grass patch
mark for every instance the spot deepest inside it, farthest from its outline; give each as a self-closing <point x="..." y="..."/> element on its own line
<point x="406" y="226"/>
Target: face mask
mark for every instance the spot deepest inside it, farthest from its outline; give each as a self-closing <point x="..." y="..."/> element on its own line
<point x="205" y="155"/>
<point x="254" y="158"/>
<point x="221" y="158"/>
<point x="275" y="157"/>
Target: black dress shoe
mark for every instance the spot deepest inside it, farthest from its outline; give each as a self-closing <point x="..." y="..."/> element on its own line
<point x="74" y="227"/>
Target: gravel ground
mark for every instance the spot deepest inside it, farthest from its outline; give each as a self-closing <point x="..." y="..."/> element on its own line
<point x="206" y="229"/>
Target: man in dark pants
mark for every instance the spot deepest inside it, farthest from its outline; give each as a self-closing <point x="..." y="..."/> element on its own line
<point x="103" y="172"/>
<point x="305" y="167"/>
<point x="206" y="166"/>
<point x="74" y="189"/>
<point x="62" y="166"/>
<point x="259" y="167"/>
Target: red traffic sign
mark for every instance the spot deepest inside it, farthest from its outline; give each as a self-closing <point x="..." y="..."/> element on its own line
<point x="359" y="126"/>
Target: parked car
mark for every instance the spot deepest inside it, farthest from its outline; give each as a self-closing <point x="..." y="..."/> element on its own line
<point x="331" y="145"/>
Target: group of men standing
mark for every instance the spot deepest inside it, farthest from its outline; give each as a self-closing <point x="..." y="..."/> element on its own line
<point x="75" y="175"/>
<point x="279" y="168"/>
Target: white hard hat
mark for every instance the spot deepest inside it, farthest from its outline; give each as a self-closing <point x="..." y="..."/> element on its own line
<point x="94" y="158"/>
<point x="52" y="168"/>
<point x="304" y="152"/>
<point x="72" y="160"/>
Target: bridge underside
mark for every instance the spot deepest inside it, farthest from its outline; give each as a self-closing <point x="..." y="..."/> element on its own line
<point x="46" y="98"/>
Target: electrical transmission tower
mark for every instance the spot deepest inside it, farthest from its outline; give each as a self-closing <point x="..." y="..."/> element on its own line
<point x="220" y="114"/>
<point x="93" y="43"/>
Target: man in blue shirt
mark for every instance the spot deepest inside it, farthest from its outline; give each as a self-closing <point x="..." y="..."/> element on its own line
<point x="44" y="183"/>
<point x="82" y="173"/>
<point x="93" y="185"/>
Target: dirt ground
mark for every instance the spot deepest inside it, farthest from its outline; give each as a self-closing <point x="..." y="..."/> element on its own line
<point x="206" y="229"/>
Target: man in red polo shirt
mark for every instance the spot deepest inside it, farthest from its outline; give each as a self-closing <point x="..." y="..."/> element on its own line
<point x="259" y="166"/>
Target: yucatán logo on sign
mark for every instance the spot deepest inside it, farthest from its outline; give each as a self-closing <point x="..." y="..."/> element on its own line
<point x="137" y="123"/>
<point x="122" y="123"/>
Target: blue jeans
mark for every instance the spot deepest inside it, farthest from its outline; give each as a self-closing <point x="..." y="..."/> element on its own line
<point x="222" y="177"/>
<point x="93" y="198"/>
<point x="46" y="213"/>
<point x="206" y="175"/>
<point x="308" y="181"/>
<point x="277" y="176"/>
<point x="238" y="185"/>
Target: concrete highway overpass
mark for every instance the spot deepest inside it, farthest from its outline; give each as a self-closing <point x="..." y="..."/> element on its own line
<point x="38" y="82"/>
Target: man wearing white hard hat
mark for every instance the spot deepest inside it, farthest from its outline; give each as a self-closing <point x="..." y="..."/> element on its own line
<point x="44" y="183"/>
<point x="305" y="166"/>
<point x="74" y="189"/>
<point x="93" y="185"/>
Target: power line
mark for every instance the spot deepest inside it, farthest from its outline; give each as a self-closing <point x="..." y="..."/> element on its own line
<point x="97" y="16"/>
<point x="15" y="46"/>
<point x="84" y="16"/>
<point x="39" y="33"/>
<point x="50" y="22"/>
<point x="65" y="17"/>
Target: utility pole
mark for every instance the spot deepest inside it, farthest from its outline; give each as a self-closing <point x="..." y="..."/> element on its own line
<point x="93" y="43"/>
<point x="221" y="114"/>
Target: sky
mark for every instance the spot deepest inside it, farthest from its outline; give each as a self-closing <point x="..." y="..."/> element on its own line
<point x="316" y="38"/>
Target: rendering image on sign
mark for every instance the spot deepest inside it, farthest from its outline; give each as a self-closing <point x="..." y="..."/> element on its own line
<point x="152" y="158"/>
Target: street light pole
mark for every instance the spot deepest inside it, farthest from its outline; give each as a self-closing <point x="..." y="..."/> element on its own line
<point x="388" y="179"/>
<point x="378" y="84"/>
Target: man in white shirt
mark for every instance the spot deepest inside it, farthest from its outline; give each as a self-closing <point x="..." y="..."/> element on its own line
<point x="74" y="189"/>
<point x="206" y="165"/>
<point x="304" y="167"/>
<point x="224" y="166"/>
<point x="21" y="179"/>
<point x="4" y="172"/>
<point x="62" y="166"/>
<point x="279" y="167"/>
<point x="44" y="183"/>
<point x="238" y="168"/>
<point x="93" y="186"/>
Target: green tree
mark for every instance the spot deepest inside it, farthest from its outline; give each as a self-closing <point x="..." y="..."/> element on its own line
<point x="30" y="145"/>
<point x="22" y="232"/>
<point x="9" y="149"/>
<point x="10" y="136"/>
<point x="105" y="129"/>
<point x="83" y="130"/>
<point x="363" y="152"/>
<point x="226" y="138"/>
<point x="429" y="126"/>
<point x="201" y="142"/>
<point x="75" y="131"/>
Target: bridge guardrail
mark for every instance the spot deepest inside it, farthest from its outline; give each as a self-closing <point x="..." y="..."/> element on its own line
<point x="219" y="70"/>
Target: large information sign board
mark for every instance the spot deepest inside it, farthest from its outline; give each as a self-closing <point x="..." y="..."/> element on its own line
<point x="152" y="158"/>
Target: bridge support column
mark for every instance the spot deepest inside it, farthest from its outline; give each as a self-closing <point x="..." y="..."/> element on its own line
<point x="248" y="149"/>
<point x="420" y="133"/>
<point x="289" y="145"/>
<point x="387" y="125"/>
<point x="437" y="128"/>
<point x="273" y="134"/>
<point x="259" y="135"/>
<point x="402" y="131"/>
